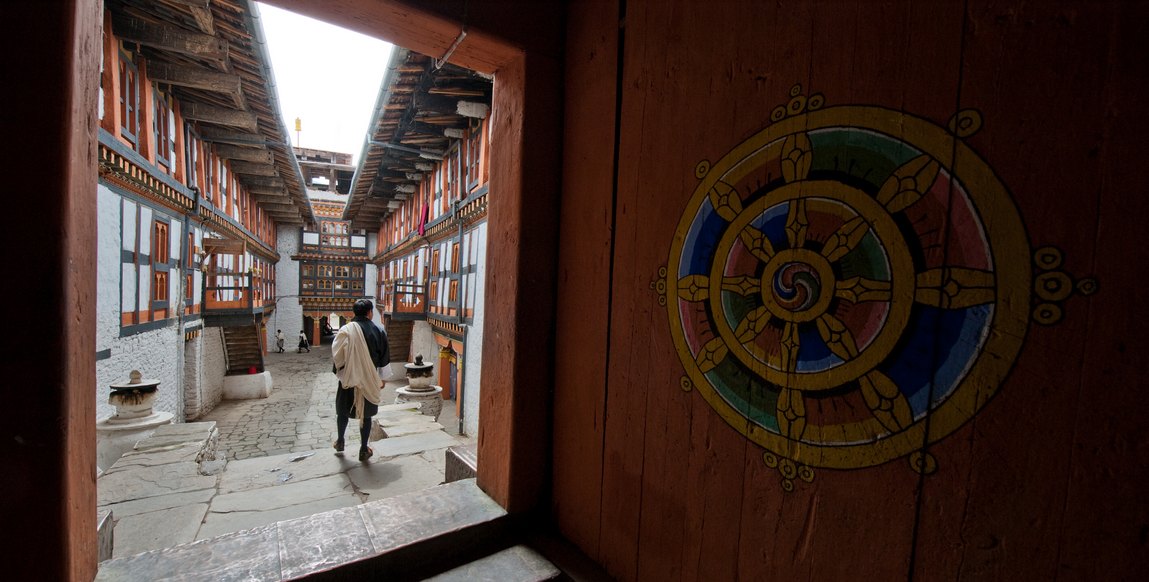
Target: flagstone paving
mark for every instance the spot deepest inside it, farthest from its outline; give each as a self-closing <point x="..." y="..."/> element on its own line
<point x="250" y="463"/>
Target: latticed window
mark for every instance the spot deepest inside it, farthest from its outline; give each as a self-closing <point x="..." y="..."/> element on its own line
<point x="160" y="288"/>
<point x="161" y="249"/>
<point x="129" y="100"/>
<point x="165" y="124"/>
<point x="161" y="254"/>
<point x="474" y="143"/>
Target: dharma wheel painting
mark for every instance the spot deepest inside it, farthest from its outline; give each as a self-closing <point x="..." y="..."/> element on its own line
<point x="848" y="285"/>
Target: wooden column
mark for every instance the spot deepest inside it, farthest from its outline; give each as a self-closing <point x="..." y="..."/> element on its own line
<point x="518" y="340"/>
<point x="316" y="337"/>
<point x="49" y="488"/>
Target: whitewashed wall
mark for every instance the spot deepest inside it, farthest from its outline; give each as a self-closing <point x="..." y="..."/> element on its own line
<point x="107" y="267"/>
<point x="423" y="343"/>
<point x="288" y="314"/>
<point x="214" y="366"/>
<point x="193" y="379"/>
<point x="203" y="368"/>
<point x="371" y="282"/>
<point x="473" y="350"/>
<point x="157" y="354"/>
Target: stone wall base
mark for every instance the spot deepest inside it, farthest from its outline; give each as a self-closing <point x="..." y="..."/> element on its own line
<point x="247" y="386"/>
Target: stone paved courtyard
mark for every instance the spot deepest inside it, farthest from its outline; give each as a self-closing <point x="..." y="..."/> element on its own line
<point x="255" y="462"/>
<point x="299" y="415"/>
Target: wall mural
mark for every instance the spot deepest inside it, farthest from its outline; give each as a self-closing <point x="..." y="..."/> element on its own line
<point x="852" y="284"/>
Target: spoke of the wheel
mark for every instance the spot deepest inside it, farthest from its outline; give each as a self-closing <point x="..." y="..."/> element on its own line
<point x="791" y="413"/>
<point x="796" y="223"/>
<point x="885" y="401"/>
<point x="790" y="344"/>
<point x="845" y="239"/>
<point x="908" y="183"/>
<point x="837" y="337"/>
<point x="742" y="285"/>
<point x="752" y="325"/>
<point x="797" y="154"/>
<point x="711" y="355"/>
<point x="694" y="287"/>
<point x="726" y="201"/>
<point x="860" y="289"/>
<point x="955" y="287"/>
<point x="757" y="243"/>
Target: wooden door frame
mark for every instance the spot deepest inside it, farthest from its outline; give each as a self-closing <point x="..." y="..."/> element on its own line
<point x="522" y="47"/>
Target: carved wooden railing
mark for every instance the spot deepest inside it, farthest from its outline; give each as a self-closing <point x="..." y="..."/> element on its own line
<point x="404" y="298"/>
<point x="246" y="296"/>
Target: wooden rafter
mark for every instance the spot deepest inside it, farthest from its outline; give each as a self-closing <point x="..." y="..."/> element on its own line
<point x="233" y="137"/>
<point x="231" y="152"/>
<point x="267" y="181"/>
<point x="170" y="38"/>
<point x="194" y="77"/>
<point x="219" y="115"/>
<point x="241" y="167"/>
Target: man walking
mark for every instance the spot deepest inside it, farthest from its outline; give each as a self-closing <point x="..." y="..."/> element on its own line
<point x="358" y="352"/>
<point x="279" y="340"/>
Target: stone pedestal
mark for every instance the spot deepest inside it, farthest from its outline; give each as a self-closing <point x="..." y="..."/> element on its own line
<point x="134" y="419"/>
<point x="419" y="388"/>
<point x="116" y="436"/>
<point x="430" y="398"/>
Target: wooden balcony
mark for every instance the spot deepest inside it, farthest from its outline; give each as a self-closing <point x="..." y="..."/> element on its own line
<point x="404" y="301"/>
<point x="236" y="304"/>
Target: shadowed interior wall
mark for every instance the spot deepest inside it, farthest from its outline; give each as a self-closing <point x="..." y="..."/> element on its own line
<point x="49" y="354"/>
<point x="1031" y="466"/>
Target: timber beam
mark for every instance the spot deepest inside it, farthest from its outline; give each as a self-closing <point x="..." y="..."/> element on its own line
<point x="232" y="152"/>
<point x="265" y="181"/>
<point x="398" y="175"/>
<point x="241" y="167"/>
<point x="263" y="199"/>
<point x="170" y="38"/>
<point x="219" y="115"/>
<point x="280" y="209"/>
<point x="196" y="78"/>
<point x="214" y="135"/>
<point x="267" y="191"/>
<point x="201" y="12"/>
<point x="470" y="107"/>
<point x="434" y="129"/>
<point x="275" y="203"/>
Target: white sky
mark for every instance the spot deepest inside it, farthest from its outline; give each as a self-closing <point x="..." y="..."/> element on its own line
<point x="325" y="75"/>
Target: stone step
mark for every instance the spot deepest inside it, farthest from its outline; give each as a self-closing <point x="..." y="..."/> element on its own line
<point x="514" y="564"/>
<point x="462" y="462"/>
<point x="411" y="536"/>
<point x="407" y="429"/>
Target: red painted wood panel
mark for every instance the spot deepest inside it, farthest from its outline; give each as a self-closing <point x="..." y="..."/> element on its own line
<point x="584" y="259"/>
<point x="1039" y="483"/>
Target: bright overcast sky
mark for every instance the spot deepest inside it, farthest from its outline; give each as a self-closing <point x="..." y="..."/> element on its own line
<point x="326" y="76"/>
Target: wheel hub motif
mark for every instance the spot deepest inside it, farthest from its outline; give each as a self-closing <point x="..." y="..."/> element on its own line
<point x="833" y="282"/>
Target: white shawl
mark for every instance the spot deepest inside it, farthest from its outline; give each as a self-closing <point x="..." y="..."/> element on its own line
<point x="354" y="366"/>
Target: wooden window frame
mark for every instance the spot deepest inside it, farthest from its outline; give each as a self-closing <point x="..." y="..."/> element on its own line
<point x="474" y="150"/>
<point x="191" y="157"/>
<point x="129" y="80"/>
<point x="163" y="131"/>
<point x="161" y="263"/>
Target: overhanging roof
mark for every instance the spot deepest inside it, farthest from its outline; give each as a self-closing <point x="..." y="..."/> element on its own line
<point x="213" y="56"/>
<point x="421" y="108"/>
